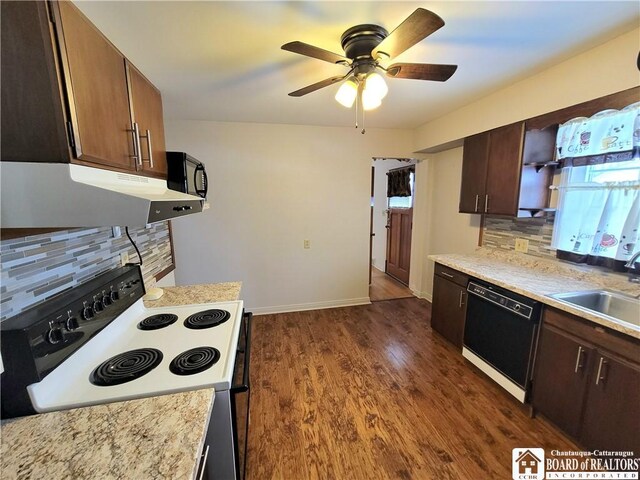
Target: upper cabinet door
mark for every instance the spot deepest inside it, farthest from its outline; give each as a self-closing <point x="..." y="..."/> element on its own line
<point x="146" y="114"/>
<point x="474" y="173"/>
<point x="96" y="84"/>
<point x="505" y="166"/>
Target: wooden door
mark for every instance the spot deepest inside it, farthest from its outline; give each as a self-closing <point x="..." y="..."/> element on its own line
<point x="611" y="420"/>
<point x="560" y="378"/>
<point x="399" y="225"/>
<point x="474" y="173"/>
<point x="96" y="85"/>
<point x="448" y="311"/>
<point x="146" y="111"/>
<point x="504" y="168"/>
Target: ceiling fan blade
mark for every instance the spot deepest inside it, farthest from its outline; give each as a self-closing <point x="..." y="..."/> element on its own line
<point x="417" y="26"/>
<point x="315" y="52"/>
<point x="422" y="71"/>
<point x="316" y="86"/>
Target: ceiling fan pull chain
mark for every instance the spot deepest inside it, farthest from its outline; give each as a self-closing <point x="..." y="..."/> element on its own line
<point x="363" y="130"/>
<point x="357" y="95"/>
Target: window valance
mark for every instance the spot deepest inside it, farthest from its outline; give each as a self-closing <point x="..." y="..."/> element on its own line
<point x="606" y="137"/>
<point x="399" y="182"/>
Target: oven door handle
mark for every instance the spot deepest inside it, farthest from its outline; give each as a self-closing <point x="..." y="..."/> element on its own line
<point x="244" y="386"/>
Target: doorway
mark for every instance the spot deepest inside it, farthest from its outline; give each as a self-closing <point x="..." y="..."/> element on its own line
<point x="391" y="225"/>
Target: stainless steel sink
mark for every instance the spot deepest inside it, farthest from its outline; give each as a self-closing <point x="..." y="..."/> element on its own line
<point x="617" y="306"/>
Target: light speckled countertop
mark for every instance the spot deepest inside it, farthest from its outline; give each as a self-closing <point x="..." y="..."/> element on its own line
<point x="193" y="294"/>
<point x="150" y="438"/>
<point x="536" y="278"/>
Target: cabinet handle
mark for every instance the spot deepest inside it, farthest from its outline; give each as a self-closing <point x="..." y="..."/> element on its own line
<point x="477" y="199"/>
<point x="461" y="299"/>
<point x="148" y="136"/>
<point x="599" y="376"/>
<point x="486" y="203"/>
<point x="448" y="275"/>
<point x="579" y="365"/>
<point x="203" y="463"/>
<point x="137" y="154"/>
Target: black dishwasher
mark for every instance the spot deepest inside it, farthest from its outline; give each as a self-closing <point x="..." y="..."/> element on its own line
<point x="500" y="334"/>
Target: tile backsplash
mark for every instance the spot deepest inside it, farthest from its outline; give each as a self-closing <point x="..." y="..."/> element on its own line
<point x="37" y="267"/>
<point x="501" y="233"/>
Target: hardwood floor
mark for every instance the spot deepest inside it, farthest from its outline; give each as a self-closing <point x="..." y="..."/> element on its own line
<point x="370" y="392"/>
<point x="384" y="287"/>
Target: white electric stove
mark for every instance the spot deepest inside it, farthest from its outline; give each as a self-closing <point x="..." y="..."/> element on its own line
<point x="124" y="362"/>
<point x="97" y="344"/>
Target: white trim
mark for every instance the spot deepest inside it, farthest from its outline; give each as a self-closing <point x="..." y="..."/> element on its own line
<point x="424" y="295"/>
<point x="300" y="307"/>
<point x="496" y="376"/>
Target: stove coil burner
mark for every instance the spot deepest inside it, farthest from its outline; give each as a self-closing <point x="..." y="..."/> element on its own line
<point x="194" y="361"/>
<point x="155" y="322"/>
<point x="207" y="319"/>
<point x="126" y="367"/>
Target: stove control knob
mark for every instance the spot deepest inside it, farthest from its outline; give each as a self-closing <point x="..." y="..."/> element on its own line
<point x="106" y="299"/>
<point x="516" y="307"/>
<point x="87" y="312"/>
<point x="97" y="306"/>
<point x="114" y="295"/>
<point x="71" y="323"/>
<point x="55" y="334"/>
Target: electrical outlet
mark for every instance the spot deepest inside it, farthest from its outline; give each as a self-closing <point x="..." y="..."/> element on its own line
<point x="522" y="245"/>
<point x="307" y="244"/>
<point x="124" y="258"/>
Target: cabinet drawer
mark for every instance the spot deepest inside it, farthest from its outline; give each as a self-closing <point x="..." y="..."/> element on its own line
<point x="605" y="338"/>
<point x="452" y="275"/>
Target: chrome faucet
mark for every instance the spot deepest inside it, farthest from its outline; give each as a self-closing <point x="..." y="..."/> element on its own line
<point x="630" y="266"/>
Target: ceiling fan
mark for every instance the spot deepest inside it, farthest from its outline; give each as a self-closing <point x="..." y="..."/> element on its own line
<point x="365" y="46"/>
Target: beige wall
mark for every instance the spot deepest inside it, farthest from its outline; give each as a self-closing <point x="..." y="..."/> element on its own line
<point x="606" y="69"/>
<point x="446" y="230"/>
<point x="272" y="187"/>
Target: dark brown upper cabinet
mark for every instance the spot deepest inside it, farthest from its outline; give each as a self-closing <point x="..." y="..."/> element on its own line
<point x="491" y="171"/>
<point x="68" y="94"/>
<point x="499" y="174"/>
<point x="474" y="173"/>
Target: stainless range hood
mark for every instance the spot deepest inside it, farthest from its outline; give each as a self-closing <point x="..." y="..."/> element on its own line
<point x="68" y="195"/>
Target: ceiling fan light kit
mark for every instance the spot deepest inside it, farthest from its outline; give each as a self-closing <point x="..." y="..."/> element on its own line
<point x="347" y="92"/>
<point x="365" y="46"/>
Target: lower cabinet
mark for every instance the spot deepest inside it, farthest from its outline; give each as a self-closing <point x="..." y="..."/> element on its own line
<point x="588" y="391"/>
<point x="449" y="303"/>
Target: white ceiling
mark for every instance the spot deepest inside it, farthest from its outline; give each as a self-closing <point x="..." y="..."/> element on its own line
<point x="222" y="60"/>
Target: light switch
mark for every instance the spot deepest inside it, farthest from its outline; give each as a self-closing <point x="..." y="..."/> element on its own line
<point x="307" y="244"/>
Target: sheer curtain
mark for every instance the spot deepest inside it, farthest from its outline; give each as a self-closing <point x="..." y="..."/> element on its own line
<point x="598" y="213"/>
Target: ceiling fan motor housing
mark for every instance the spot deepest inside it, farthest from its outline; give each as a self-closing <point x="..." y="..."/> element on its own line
<point x="359" y="41"/>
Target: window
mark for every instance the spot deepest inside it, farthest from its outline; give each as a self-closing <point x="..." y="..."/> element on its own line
<point x="599" y="213"/>
<point x="403" y="202"/>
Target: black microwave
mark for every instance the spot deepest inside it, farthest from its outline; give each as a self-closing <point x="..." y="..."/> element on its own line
<point x="186" y="174"/>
